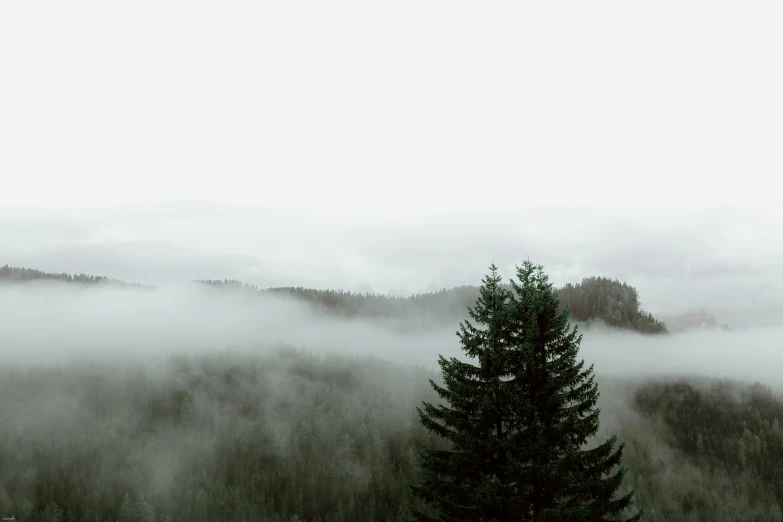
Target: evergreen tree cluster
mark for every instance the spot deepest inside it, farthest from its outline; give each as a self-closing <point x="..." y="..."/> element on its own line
<point x="517" y="417"/>
<point x="614" y="303"/>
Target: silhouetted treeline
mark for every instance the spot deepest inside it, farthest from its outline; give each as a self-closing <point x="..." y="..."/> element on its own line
<point x="595" y="299"/>
<point x="613" y="302"/>
<point x="449" y="303"/>
<point x="18" y="274"/>
<point x="234" y="438"/>
<point x="440" y="306"/>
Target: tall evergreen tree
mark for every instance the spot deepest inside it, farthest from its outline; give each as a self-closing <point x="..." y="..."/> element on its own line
<point x="517" y="421"/>
<point x="126" y="510"/>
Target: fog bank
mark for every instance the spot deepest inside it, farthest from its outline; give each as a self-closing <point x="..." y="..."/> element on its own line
<point x="51" y="323"/>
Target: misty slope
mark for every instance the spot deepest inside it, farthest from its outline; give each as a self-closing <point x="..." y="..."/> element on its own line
<point x="615" y="303"/>
<point x="19" y="275"/>
<point x="732" y="434"/>
<point x="595" y="299"/>
<point x="212" y="438"/>
<point x="237" y="437"/>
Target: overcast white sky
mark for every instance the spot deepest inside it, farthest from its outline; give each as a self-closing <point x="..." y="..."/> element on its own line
<point x="399" y="144"/>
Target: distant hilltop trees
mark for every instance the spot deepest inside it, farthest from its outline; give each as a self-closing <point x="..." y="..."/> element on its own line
<point x="595" y="299"/>
<point x="18" y="274"/>
<point x="443" y="304"/>
<point x="613" y="302"/>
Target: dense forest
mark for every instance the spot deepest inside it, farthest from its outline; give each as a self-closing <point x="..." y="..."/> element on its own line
<point x="275" y="433"/>
<point x="731" y="434"/>
<point x="282" y="435"/>
<point x="613" y="302"/>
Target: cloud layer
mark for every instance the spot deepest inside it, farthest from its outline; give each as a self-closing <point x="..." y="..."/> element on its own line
<point x="51" y="323"/>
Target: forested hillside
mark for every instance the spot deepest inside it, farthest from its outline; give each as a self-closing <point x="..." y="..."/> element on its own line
<point x="613" y="302"/>
<point x="594" y="299"/>
<point x="292" y="436"/>
<point x="226" y="438"/>
<point x="441" y="307"/>
<point x="18" y="274"/>
<point x="730" y="437"/>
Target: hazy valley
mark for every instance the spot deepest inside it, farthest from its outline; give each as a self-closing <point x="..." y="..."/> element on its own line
<point x="220" y="401"/>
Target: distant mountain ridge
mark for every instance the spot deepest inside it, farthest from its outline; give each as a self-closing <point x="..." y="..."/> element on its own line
<point x="594" y="300"/>
<point x="18" y="274"/>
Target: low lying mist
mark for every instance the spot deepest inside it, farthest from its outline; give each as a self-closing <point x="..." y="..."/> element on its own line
<point x="166" y="399"/>
<point x="53" y="322"/>
<point x="46" y="322"/>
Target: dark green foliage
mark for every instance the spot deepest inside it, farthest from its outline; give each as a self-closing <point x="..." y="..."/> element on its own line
<point x="733" y="434"/>
<point x="266" y="437"/>
<point x="227" y="437"/>
<point x="518" y="421"/>
<point x="613" y="302"/>
<point x="466" y="481"/>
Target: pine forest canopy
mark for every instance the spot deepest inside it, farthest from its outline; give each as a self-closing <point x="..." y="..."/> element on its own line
<point x="696" y="451"/>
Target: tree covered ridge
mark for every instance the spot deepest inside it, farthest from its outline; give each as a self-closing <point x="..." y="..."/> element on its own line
<point x="611" y="301"/>
<point x="594" y="299"/>
<point x="19" y="274"/>
<point x="731" y="431"/>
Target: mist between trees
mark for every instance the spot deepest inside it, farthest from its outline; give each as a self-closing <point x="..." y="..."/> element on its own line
<point x="595" y="299"/>
<point x="125" y="405"/>
<point x="243" y="436"/>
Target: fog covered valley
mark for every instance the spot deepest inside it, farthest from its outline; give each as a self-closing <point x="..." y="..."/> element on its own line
<point x="244" y="252"/>
<point x="207" y="401"/>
